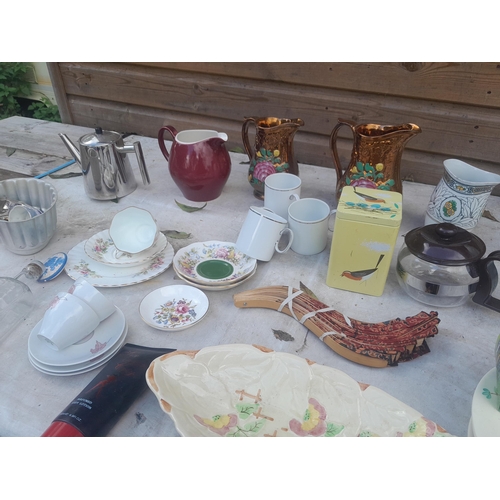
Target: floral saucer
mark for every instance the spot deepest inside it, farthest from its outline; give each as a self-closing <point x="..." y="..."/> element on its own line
<point x="101" y="248"/>
<point x="174" y="307"/>
<point x="213" y="262"/>
<point x="240" y="390"/>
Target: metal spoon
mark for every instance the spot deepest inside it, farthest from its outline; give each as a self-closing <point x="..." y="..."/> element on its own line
<point x="33" y="270"/>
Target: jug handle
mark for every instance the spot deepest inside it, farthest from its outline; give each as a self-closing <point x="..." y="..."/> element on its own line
<point x="488" y="280"/>
<point x="333" y="145"/>
<point x="161" y="140"/>
<point x="244" y="137"/>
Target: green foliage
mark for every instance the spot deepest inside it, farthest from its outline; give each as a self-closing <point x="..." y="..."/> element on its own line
<point x="12" y="85"/>
<point x="45" y="110"/>
<point x="13" y="88"/>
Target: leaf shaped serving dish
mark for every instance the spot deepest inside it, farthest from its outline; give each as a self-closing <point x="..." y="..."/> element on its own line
<point x="244" y="390"/>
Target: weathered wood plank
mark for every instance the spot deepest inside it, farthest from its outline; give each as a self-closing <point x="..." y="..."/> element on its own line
<point x="476" y="83"/>
<point x="463" y="131"/>
<point x="309" y="148"/>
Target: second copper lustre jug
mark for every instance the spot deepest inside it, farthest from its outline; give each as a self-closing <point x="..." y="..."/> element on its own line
<point x="375" y="157"/>
<point x="273" y="150"/>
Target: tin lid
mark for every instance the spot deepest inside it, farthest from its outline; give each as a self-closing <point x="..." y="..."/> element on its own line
<point x="372" y="206"/>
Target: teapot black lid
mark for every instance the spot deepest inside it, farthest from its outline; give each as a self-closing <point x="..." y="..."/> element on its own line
<point x="445" y="244"/>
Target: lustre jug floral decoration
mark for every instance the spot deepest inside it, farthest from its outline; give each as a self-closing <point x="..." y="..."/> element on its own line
<point x="375" y="157"/>
<point x="273" y="150"/>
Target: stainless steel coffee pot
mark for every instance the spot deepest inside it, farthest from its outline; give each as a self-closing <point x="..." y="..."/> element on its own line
<point x="107" y="174"/>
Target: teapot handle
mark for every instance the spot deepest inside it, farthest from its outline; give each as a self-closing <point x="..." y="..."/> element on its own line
<point x="244" y="137"/>
<point x="488" y="280"/>
<point x="161" y="140"/>
<point x="333" y="145"/>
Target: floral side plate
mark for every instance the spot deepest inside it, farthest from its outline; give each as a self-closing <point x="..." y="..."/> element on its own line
<point x="213" y="262"/>
<point x="79" y="265"/>
<point x="101" y="248"/>
<point x="174" y="307"/>
<point x="241" y="390"/>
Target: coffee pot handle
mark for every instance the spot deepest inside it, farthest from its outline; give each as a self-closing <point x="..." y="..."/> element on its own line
<point x="142" y="162"/>
<point x="488" y="280"/>
<point x="244" y="137"/>
<point x="161" y="140"/>
<point x="333" y="144"/>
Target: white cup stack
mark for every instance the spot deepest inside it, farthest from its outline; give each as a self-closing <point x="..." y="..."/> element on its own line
<point x="80" y="331"/>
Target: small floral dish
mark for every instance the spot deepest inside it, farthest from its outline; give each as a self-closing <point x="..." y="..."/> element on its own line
<point x="101" y="248"/>
<point x="241" y="390"/>
<point x="213" y="262"/>
<point x="174" y="307"/>
<point x="53" y="267"/>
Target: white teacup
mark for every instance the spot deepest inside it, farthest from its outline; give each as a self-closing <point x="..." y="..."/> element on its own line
<point x="308" y="219"/>
<point x="261" y="233"/>
<point x="91" y="296"/>
<point x="67" y="321"/>
<point x="280" y="191"/>
<point x="133" y="230"/>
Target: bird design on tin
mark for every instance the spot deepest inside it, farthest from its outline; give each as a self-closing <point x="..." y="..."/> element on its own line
<point x="363" y="274"/>
<point x="367" y="197"/>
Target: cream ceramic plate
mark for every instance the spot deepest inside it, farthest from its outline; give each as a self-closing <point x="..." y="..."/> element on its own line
<point x="101" y="275"/>
<point x="79" y="368"/>
<point x="104" y="337"/>
<point x="244" y="390"/>
<point x="100" y="248"/>
<point x="213" y="262"/>
<point x="174" y="307"/>
<point x="216" y="287"/>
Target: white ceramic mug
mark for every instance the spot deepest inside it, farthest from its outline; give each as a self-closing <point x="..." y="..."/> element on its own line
<point x="280" y="191"/>
<point x="261" y="233"/>
<point x="67" y="321"/>
<point x="133" y="230"/>
<point x="91" y="296"/>
<point x="308" y="219"/>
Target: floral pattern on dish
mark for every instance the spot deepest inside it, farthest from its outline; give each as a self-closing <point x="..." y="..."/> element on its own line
<point x="175" y="312"/>
<point x="187" y="259"/>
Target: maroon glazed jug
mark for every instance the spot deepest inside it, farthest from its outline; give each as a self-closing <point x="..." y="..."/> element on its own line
<point x="198" y="161"/>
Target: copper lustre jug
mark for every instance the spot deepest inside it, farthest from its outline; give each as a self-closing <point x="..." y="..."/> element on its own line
<point x="375" y="157"/>
<point x="273" y="150"/>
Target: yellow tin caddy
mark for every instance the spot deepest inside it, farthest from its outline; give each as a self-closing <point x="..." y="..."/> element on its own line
<point x="366" y="228"/>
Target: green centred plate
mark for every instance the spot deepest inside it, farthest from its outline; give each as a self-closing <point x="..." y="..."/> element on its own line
<point x="215" y="269"/>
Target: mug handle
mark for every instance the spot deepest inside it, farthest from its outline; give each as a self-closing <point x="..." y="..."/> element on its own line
<point x="294" y="197"/>
<point x="488" y="280"/>
<point x="287" y="229"/>
<point x="161" y="139"/>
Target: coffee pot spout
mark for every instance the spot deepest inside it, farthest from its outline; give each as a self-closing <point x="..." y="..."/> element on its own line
<point x="75" y="153"/>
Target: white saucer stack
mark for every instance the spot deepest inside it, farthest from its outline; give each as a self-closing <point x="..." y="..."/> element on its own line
<point x="91" y="352"/>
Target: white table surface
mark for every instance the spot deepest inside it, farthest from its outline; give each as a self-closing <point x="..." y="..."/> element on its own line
<point x="439" y="384"/>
